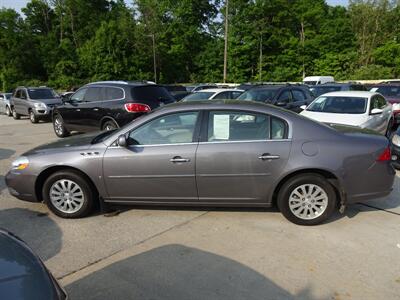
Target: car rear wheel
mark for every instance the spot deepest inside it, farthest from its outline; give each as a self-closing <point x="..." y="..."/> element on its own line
<point x="307" y="199"/>
<point x="59" y="127"/>
<point x="15" y="115"/>
<point x="109" y="125"/>
<point x="68" y="195"/>
<point x="8" y="111"/>
<point x="33" y="117"/>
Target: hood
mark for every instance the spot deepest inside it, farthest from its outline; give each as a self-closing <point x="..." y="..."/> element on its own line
<point x="50" y="101"/>
<point x="83" y="140"/>
<point x="344" y="119"/>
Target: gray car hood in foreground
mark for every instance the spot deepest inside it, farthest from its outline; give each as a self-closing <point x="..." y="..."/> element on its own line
<point x="83" y="140"/>
<point x="22" y="274"/>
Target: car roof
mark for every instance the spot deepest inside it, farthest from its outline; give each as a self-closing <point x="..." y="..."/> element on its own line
<point x="218" y="90"/>
<point x="363" y="94"/>
<point x="336" y="84"/>
<point x="120" y="83"/>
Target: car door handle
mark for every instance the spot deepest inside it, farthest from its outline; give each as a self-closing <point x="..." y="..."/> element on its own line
<point x="78" y="109"/>
<point x="178" y="159"/>
<point x="267" y="156"/>
<point x="95" y="109"/>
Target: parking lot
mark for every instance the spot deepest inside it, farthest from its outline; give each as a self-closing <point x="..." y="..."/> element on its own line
<point x="181" y="253"/>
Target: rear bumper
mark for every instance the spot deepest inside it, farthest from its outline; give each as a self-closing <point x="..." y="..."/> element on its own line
<point x="21" y="186"/>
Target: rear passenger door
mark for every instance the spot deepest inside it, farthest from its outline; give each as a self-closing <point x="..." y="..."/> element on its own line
<point x="23" y="104"/>
<point x="239" y="156"/>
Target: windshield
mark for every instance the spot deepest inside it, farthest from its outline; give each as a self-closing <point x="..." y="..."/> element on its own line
<point x="320" y="90"/>
<point x="260" y="95"/>
<point x="198" y="96"/>
<point x="339" y="105"/>
<point x="41" y="94"/>
<point x="388" y="91"/>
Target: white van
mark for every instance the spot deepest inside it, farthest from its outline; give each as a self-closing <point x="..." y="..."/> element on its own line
<point x="313" y="80"/>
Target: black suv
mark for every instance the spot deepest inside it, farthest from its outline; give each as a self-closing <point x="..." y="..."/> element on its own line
<point x="287" y="96"/>
<point x="321" y="89"/>
<point x="107" y="105"/>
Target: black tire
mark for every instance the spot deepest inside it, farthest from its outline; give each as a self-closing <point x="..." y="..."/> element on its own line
<point x="34" y="119"/>
<point x="8" y="111"/>
<point x="15" y="115"/>
<point x="109" y="125"/>
<point x="306" y="179"/>
<point x="89" y="195"/>
<point x="59" y="127"/>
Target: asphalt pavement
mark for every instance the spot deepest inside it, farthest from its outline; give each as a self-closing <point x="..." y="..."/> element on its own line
<point x="182" y="253"/>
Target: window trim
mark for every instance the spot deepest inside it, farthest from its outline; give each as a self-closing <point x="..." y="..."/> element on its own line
<point x="204" y="128"/>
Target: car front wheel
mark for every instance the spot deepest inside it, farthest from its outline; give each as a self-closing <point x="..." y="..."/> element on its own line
<point x="8" y="111"/>
<point x="307" y="199"/>
<point x="33" y="117"/>
<point x="15" y="115"/>
<point x="68" y="195"/>
<point x="59" y="127"/>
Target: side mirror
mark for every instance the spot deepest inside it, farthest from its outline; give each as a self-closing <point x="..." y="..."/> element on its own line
<point x="122" y="141"/>
<point x="376" y="111"/>
<point x="303" y="107"/>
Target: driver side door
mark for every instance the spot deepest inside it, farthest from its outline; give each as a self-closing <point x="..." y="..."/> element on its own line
<point x="158" y="165"/>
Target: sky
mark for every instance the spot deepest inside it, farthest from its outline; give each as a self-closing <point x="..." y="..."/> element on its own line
<point x="18" y="4"/>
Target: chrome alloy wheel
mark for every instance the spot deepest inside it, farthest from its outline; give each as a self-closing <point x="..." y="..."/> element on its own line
<point x="308" y="201"/>
<point x="58" y="127"/>
<point x="67" y="196"/>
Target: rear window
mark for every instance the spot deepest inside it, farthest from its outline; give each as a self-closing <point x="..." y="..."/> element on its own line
<point x="151" y="93"/>
<point x="41" y="94"/>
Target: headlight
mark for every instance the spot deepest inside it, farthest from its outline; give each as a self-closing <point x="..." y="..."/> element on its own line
<point x="396" y="140"/>
<point x="40" y="105"/>
<point x="396" y="106"/>
<point x="20" y="163"/>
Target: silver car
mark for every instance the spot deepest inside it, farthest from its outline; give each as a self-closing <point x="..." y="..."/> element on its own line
<point x="211" y="153"/>
<point x="5" y="103"/>
<point x="35" y="102"/>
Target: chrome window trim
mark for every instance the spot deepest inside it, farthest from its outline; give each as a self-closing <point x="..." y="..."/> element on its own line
<point x="204" y="143"/>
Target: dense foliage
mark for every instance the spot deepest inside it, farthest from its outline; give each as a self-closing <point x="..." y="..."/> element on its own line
<point x="64" y="43"/>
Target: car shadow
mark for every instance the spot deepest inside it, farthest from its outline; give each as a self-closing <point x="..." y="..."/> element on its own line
<point x="179" y="272"/>
<point x="39" y="231"/>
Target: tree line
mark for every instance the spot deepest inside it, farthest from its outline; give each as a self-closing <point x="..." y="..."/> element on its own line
<point x="63" y="43"/>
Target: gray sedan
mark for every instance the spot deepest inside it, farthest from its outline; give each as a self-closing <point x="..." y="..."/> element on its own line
<point x="213" y="153"/>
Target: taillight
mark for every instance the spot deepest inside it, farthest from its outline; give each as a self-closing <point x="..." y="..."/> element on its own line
<point x="385" y="156"/>
<point x="137" y="107"/>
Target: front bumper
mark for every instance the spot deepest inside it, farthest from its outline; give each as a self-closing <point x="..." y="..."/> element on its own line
<point x="21" y="186"/>
<point x="43" y="113"/>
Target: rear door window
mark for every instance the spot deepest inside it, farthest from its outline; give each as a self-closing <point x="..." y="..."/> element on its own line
<point x="151" y="95"/>
<point x="284" y="97"/>
<point x="112" y="93"/>
<point x="223" y="95"/>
